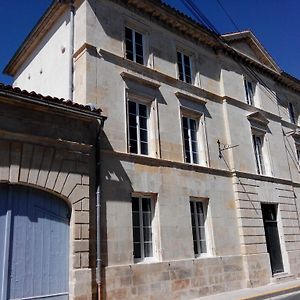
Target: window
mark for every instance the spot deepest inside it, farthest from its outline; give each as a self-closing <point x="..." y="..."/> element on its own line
<point x="142" y="217"/>
<point x="249" y="89"/>
<point x="292" y="113"/>
<point x="134" y="45"/>
<point x="190" y="140"/>
<point x="184" y="67"/>
<point x="198" y="218"/>
<point x="138" y="127"/>
<point x="258" y="147"/>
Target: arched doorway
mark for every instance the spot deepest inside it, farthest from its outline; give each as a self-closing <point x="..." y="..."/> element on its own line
<point x="34" y="244"/>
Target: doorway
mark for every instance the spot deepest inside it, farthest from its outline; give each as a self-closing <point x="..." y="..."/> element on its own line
<point x="269" y="213"/>
<point x="34" y="244"/>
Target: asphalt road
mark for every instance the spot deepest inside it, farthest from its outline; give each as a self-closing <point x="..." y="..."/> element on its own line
<point x="291" y="296"/>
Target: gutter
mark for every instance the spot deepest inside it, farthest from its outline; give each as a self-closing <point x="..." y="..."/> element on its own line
<point x="22" y="99"/>
<point x="71" y="52"/>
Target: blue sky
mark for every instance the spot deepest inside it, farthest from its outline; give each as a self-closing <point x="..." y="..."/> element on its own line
<point x="275" y="23"/>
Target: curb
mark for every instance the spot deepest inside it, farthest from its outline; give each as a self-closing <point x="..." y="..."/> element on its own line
<point x="273" y="293"/>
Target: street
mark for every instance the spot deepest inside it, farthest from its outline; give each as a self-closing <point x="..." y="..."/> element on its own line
<point x="290" y="296"/>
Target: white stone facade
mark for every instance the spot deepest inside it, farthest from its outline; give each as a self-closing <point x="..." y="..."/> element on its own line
<point x="231" y="187"/>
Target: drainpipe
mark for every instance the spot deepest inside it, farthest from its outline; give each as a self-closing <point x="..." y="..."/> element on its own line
<point x="100" y="124"/>
<point x="71" y="66"/>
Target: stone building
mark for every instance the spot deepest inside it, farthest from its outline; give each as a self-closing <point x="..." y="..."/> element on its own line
<point x="199" y="155"/>
<point x="47" y="184"/>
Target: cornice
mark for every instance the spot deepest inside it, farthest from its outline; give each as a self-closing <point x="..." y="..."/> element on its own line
<point x="158" y="162"/>
<point x="184" y="25"/>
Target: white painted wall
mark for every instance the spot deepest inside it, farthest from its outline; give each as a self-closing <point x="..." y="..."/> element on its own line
<point x="46" y="71"/>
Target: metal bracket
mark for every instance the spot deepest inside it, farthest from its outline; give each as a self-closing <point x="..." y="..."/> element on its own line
<point x="223" y="147"/>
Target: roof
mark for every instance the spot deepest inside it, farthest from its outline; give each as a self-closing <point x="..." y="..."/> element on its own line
<point x="15" y="92"/>
<point x="173" y="18"/>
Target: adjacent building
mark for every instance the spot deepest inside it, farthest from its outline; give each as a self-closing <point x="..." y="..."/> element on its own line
<point x="199" y="155"/>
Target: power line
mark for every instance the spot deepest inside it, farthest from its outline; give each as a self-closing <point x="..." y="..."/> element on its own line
<point x="199" y="15"/>
<point x="228" y="15"/>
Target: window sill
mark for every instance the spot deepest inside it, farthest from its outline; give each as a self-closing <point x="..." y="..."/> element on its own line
<point x="203" y="255"/>
<point x="145" y="261"/>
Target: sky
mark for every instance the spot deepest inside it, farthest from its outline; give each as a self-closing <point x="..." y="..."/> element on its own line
<point x="275" y="23"/>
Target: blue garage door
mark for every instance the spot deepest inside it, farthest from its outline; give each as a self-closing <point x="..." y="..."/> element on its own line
<point x="34" y="244"/>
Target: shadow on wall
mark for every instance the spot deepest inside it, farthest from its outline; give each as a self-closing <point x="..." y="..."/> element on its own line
<point x="116" y="186"/>
<point x="158" y="39"/>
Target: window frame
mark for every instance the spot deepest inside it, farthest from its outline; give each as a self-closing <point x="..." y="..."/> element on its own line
<point x="292" y="113"/>
<point x="154" y="234"/>
<point x="190" y="141"/>
<point x="182" y="55"/>
<point x="137" y="104"/>
<point x="133" y="37"/>
<point x="258" y="153"/>
<point x="250" y="97"/>
<point x="207" y="228"/>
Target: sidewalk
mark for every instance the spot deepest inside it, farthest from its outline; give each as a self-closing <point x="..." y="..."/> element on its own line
<point x="263" y="292"/>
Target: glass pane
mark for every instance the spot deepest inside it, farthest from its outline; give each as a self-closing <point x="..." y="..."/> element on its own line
<point x="143" y="135"/>
<point x="128" y="33"/>
<point x="143" y="123"/>
<point x="129" y="55"/>
<point x="187" y="156"/>
<point x="135" y="218"/>
<point x="144" y="148"/>
<point x="180" y="67"/>
<point x="147" y="234"/>
<point x="132" y="133"/>
<point x="139" y="60"/>
<point x="138" y="38"/>
<point x="139" y="50"/>
<point x="147" y="218"/>
<point x="194" y="233"/>
<point x="143" y="110"/>
<point x="193" y="220"/>
<point x="185" y="134"/>
<point x="148" y="249"/>
<point x="185" y="122"/>
<point x="202" y="233"/>
<point x="132" y="107"/>
<point x="194" y="147"/>
<point x="199" y="207"/>
<point x="136" y="234"/>
<point x="129" y="46"/>
<point x="146" y="204"/>
<point x="195" y="247"/>
<point x="133" y="146"/>
<point x="203" y="247"/>
<point x="195" y="158"/>
<point x="137" y="250"/>
<point x="193" y="124"/>
<point x="186" y="61"/>
<point x="135" y="204"/>
<point x="132" y="120"/>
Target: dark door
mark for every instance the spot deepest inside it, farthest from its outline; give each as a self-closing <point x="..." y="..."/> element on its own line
<point x="34" y="245"/>
<point x="269" y="212"/>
